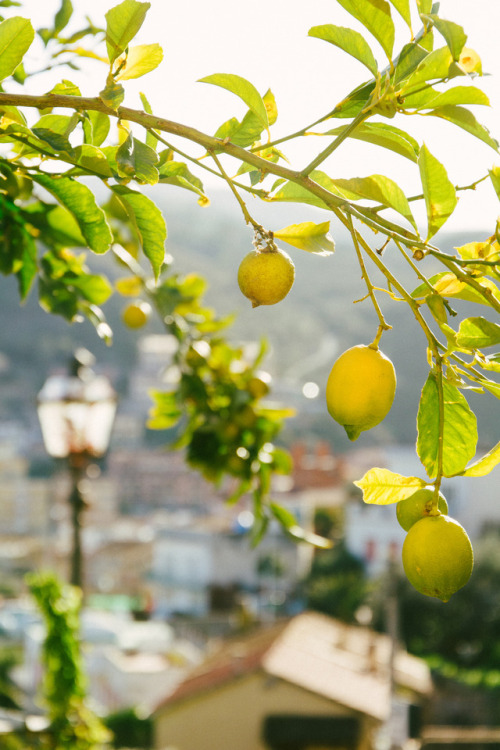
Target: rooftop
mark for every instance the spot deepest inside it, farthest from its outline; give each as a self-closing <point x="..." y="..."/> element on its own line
<point x="347" y="664"/>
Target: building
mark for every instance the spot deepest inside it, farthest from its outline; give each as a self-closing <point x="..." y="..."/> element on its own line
<point x="308" y="682"/>
<point x="204" y="563"/>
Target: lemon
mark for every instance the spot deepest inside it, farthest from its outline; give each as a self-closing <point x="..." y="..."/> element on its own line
<point x="266" y="276"/>
<point x="437" y="556"/>
<point x="136" y="314"/>
<point x="360" y="389"/>
<point x="417" y="506"/>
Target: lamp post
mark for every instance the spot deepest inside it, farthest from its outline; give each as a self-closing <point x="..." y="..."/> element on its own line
<point x="76" y="412"/>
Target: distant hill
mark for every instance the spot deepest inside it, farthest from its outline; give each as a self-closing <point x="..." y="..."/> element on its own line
<point x="317" y="318"/>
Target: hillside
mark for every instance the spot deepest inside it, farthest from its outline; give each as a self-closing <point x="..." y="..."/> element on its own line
<point x="306" y="331"/>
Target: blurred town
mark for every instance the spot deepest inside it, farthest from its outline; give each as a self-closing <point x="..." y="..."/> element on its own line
<point x="184" y="618"/>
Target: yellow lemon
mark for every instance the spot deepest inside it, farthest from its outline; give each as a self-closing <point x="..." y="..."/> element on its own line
<point x="360" y="389"/>
<point x="266" y="276"/>
<point x="417" y="506"/>
<point x="136" y="314"/>
<point x="437" y="556"/>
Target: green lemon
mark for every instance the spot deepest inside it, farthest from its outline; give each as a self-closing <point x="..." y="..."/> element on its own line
<point x="437" y="556"/>
<point x="417" y="506"/>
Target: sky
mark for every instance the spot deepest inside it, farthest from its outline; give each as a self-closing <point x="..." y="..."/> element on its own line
<point x="268" y="44"/>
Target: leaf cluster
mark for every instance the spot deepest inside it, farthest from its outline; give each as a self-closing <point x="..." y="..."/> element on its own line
<point x="48" y="209"/>
<point x="72" y="723"/>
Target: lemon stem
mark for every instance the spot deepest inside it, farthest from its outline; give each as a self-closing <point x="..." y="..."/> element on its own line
<point x="383" y="325"/>
<point x="241" y="202"/>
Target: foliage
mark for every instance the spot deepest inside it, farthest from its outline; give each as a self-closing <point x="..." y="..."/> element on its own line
<point x="130" y="730"/>
<point x="73" y="726"/>
<point x="336" y="583"/>
<point x="8" y="692"/>
<point x="48" y="212"/>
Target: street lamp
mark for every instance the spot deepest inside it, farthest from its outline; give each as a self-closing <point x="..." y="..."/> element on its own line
<point x="76" y="412"/>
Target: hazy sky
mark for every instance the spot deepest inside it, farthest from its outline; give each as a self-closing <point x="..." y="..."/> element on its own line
<point x="269" y="46"/>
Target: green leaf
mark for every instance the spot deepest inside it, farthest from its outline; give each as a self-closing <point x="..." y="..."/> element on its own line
<point x="379" y="188"/>
<point x="122" y="24"/>
<point x="435" y="66"/>
<point x="429" y="98"/>
<point x="92" y="160"/>
<point x="96" y="289"/>
<point x="424" y="6"/>
<point x="448" y="285"/>
<point x="16" y="36"/>
<point x="403" y="8"/>
<point x="177" y="173"/>
<point x="484" y="465"/>
<point x="439" y="193"/>
<point x="100" y="125"/>
<point x="348" y="40"/>
<point x="384" y="487"/>
<point x="242" y="88"/>
<point x="291" y="192"/>
<point x="410" y="57"/>
<point x="459" y="429"/>
<point x="386" y="136"/>
<point x="112" y="94"/>
<point x="80" y="201"/>
<point x="355" y="102"/>
<point x="463" y="118"/>
<point x="166" y="411"/>
<point x="140" y="60"/>
<point x="63" y="16"/>
<point x="375" y="15"/>
<point x="149" y="223"/>
<point x="250" y="129"/>
<point x="475" y="333"/>
<point x="453" y="34"/>
<point x="314" y="238"/>
<point x="494" y="173"/>
<point x="56" y="141"/>
<point x="151" y="139"/>
<point x="136" y="159"/>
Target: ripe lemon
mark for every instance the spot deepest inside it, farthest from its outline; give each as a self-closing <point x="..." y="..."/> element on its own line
<point x="136" y="314"/>
<point x="437" y="556"/>
<point x="266" y="276"/>
<point x="417" y="506"/>
<point x="360" y="389"/>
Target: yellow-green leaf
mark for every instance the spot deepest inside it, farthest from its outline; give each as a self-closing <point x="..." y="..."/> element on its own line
<point x="464" y="119"/>
<point x="308" y="236"/>
<point x="457" y="437"/>
<point x="439" y="193"/>
<point x="453" y="34"/>
<point x="378" y="188"/>
<point x="475" y="333"/>
<point x="348" y="40"/>
<point x="242" y="88"/>
<point x="122" y="24"/>
<point x="141" y="59"/>
<point x="384" y="135"/>
<point x="403" y="8"/>
<point x="16" y="36"/>
<point x="494" y="173"/>
<point x="384" y="487"/>
<point x="433" y="67"/>
<point x="375" y="15"/>
<point x="484" y="465"/>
